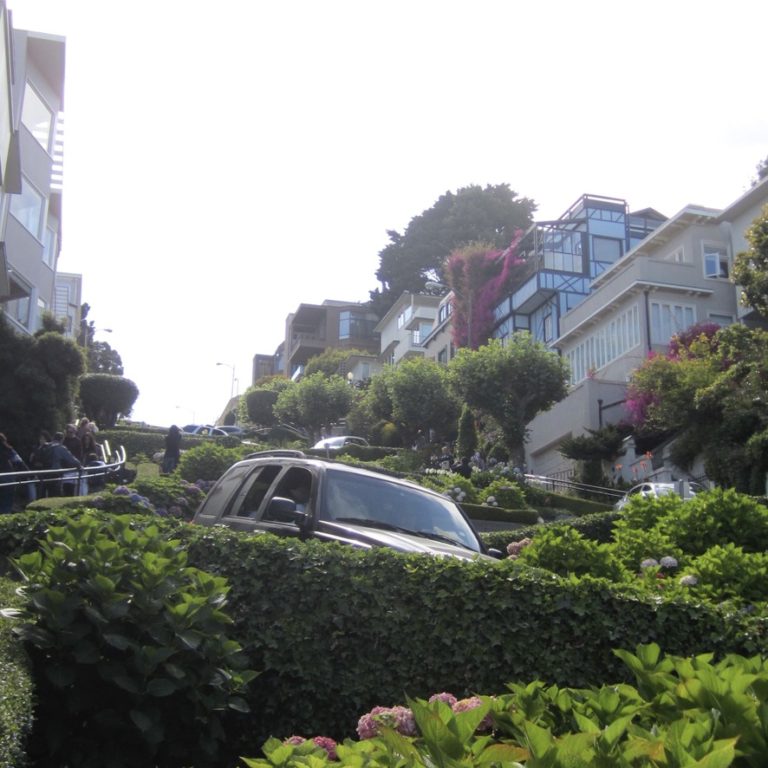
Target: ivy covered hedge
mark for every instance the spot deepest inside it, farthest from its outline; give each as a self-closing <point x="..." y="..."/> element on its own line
<point x="15" y="688"/>
<point x="337" y="631"/>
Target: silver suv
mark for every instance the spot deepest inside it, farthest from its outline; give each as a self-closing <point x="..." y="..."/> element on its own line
<point x="289" y="494"/>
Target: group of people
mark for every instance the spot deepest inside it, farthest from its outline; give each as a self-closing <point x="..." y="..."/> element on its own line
<point x="74" y="448"/>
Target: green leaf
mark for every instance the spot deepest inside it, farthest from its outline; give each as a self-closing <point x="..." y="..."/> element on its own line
<point x="161" y="687"/>
<point x="141" y="720"/>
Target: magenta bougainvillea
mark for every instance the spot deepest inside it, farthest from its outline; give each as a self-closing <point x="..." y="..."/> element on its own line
<point x="682" y="342"/>
<point x="478" y="275"/>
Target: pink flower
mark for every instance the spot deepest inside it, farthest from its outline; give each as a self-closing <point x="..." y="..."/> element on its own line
<point x="399" y="718"/>
<point x="486" y="724"/>
<point x="447" y="698"/>
<point x="328" y="744"/>
<point x="516" y="547"/>
<point x="294" y="740"/>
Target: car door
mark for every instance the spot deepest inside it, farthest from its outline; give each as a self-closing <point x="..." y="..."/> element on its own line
<point x="253" y="508"/>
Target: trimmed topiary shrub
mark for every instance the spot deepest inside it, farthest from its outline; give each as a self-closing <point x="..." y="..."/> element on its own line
<point x="504" y="493"/>
<point x="207" y="462"/>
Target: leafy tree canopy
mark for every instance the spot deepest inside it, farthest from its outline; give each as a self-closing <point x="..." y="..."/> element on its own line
<point x="105" y="397"/>
<point x="38" y="382"/>
<point x="490" y="214"/>
<point x="750" y="269"/>
<point x="314" y="402"/>
<point x="331" y="361"/>
<point x="101" y="358"/>
<point x="713" y="396"/>
<point x="511" y="383"/>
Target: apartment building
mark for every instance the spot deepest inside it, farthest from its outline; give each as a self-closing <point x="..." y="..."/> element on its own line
<point x="563" y="257"/>
<point x="313" y="328"/>
<point x="677" y="276"/>
<point x="406" y="326"/>
<point x="31" y="150"/>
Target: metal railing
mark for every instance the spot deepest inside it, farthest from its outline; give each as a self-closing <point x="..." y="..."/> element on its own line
<point x="38" y="481"/>
<point x="563" y="485"/>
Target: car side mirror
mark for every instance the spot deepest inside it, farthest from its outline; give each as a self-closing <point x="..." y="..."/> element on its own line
<point x="284" y="510"/>
<point x="497" y="553"/>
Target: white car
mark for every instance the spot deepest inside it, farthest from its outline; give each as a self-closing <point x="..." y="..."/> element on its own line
<point x="336" y="443"/>
<point x="689" y="490"/>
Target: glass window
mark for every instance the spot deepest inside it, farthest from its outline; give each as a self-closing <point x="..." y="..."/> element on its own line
<point x="669" y="319"/>
<point x="606" y="249"/>
<point x="49" y="247"/>
<point x="721" y="320"/>
<point x="37" y="117"/>
<point x="716" y="262"/>
<point x="28" y="208"/>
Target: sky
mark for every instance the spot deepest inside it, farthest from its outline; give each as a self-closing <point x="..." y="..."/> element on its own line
<point x="227" y="161"/>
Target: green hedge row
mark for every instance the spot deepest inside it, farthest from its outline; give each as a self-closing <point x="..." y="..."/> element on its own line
<point x="15" y="687"/>
<point x="596" y="527"/>
<point x="335" y="631"/>
<point x="148" y="442"/>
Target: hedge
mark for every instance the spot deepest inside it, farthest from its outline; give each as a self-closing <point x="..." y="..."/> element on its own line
<point x="15" y="687"/>
<point x="335" y="631"/>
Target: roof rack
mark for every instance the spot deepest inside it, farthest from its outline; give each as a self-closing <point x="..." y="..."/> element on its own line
<point x="282" y="452"/>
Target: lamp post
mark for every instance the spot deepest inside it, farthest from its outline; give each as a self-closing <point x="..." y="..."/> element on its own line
<point x="232" y="385"/>
<point x="184" y="408"/>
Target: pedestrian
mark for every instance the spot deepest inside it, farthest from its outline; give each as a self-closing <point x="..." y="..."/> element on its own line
<point x="172" y="450"/>
<point x="62" y="458"/>
<point x="40" y="459"/>
<point x="72" y="442"/>
<point x="10" y="462"/>
<point x="463" y="467"/>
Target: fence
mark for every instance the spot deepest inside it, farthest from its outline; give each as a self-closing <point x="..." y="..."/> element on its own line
<point x="563" y="485"/>
<point x="49" y="482"/>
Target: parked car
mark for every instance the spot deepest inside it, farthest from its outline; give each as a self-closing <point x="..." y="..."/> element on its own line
<point x="289" y="494"/>
<point x="335" y="443"/>
<point x="687" y="491"/>
<point x="231" y="429"/>
<point x="205" y="430"/>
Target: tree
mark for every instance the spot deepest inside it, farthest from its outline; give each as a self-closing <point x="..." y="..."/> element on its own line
<point x="478" y="275"/>
<point x="259" y="406"/>
<point x="331" y="361"/>
<point x="750" y="268"/>
<point x="511" y="383"/>
<point x="314" y="402"/>
<point x="38" y="383"/>
<point x="105" y="397"/>
<point x="466" y="442"/>
<point x="472" y="214"/>
<point x="421" y="399"/>
<point x="712" y="395"/>
<point x="101" y="358"/>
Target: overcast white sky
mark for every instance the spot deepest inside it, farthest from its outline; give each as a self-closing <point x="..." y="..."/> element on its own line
<point x="226" y="161"/>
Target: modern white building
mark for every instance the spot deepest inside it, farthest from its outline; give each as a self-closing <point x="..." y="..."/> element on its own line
<point x="679" y="275"/>
<point x="32" y="68"/>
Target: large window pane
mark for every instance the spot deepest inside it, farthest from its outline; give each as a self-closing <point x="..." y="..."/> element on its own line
<point x="38" y="117"/>
<point x="28" y="208"/>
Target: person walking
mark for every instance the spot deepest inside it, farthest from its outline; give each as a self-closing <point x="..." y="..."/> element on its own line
<point x="172" y="450"/>
<point x="10" y="461"/>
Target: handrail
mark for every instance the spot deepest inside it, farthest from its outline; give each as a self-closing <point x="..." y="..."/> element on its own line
<point x="72" y="474"/>
<point x="556" y="484"/>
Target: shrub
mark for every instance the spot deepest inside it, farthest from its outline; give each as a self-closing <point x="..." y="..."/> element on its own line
<point x="456" y="486"/>
<point x="563" y="550"/>
<point x="728" y="573"/>
<point x="132" y="663"/>
<point x="207" y="462"/>
<point x="504" y="493"/>
<point x="632" y="546"/>
<point x="172" y="495"/>
<point x="716" y="517"/>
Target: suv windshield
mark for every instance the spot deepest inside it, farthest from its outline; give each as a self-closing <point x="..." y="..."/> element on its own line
<point x="374" y="502"/>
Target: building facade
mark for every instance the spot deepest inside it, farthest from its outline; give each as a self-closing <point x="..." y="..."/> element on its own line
<point x="313" y="328"/>
<point x="31" y="142"/>
<point x="406" y="326"/>
<point x="680" y="275"/>
<point x="563" y="257"/>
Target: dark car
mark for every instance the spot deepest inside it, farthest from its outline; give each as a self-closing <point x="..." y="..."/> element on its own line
<point x="288" y="494"/>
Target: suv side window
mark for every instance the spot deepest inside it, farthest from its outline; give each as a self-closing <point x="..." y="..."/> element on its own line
<point x="296" y="484"/>
<point x="253" y="492"/>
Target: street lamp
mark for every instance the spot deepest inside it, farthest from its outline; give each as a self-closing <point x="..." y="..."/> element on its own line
<point x="232" y="386"/>
<point x="182" y="407"/>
